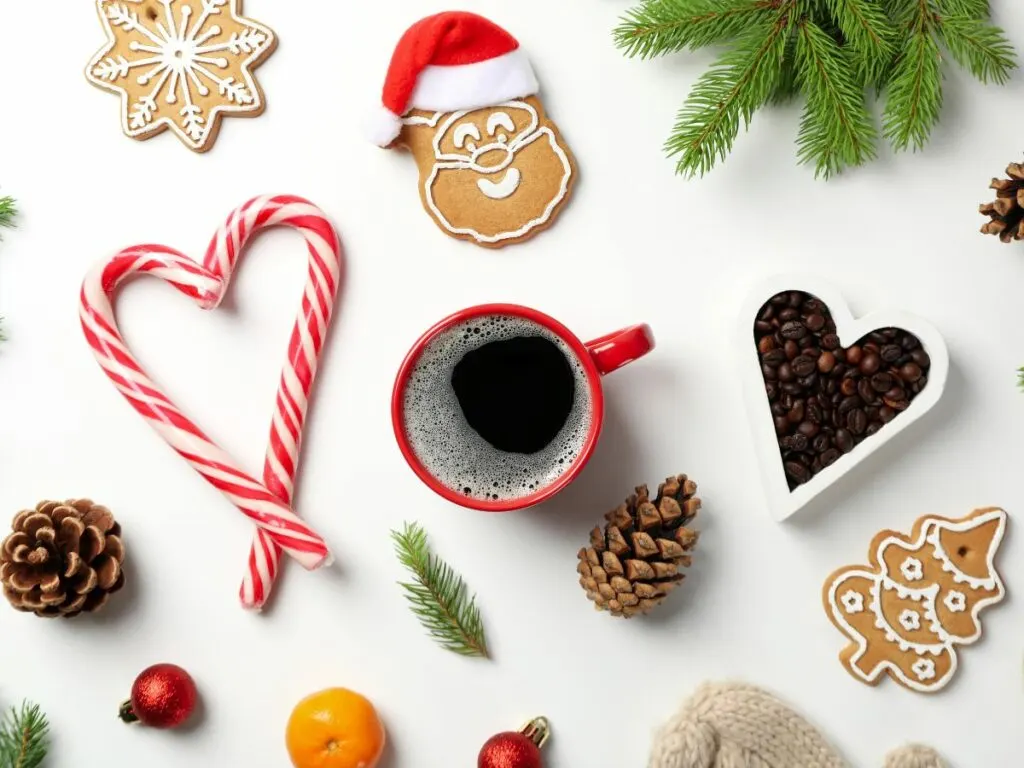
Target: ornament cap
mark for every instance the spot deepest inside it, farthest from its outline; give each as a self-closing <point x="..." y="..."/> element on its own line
<point x="537" y="730"/>
<point x="127" y="713"/>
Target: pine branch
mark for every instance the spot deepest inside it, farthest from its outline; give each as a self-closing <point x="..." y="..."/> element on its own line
<point x="438" y="596"/>
<point x="24" y="737"/>
<point x="741" y="80"/>
<point x="659" y="27"/>
<point x="977" y="9"/>
<point x="915" y="86"/>
<point x="978" y="47"/>
<point x="788" y="86"/>
<point x="8" y="210"/>
<point x="836" y="130"/>
<point x="867" y="30"/>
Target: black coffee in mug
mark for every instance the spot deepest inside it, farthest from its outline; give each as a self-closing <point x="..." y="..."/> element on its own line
<point x="497" y="407"/>
<point x="515" y="393"/>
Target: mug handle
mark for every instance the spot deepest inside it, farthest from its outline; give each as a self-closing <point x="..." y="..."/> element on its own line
<point x="614" y="350"/>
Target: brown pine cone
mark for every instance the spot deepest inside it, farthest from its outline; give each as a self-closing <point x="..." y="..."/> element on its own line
<point x="1007" y="210"/>
<point x="634" y="562"/>
<point x="63" y="558"/>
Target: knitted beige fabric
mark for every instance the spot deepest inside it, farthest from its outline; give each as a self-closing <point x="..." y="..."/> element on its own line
<point x="739" y="726"/>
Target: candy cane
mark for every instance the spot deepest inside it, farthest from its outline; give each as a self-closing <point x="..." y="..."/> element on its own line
<point x="264" y="503"/>
<point x="303" y="358"/>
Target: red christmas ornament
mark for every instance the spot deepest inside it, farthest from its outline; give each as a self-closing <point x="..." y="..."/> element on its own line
<point x="516" y="749"/>
<point x="163" y="696"/>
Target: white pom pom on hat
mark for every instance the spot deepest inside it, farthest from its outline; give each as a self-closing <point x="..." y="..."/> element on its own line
<point x="450" y="61"/>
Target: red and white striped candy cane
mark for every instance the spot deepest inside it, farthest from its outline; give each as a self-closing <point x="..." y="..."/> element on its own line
<point x="304" y="349"/>
<point x="268" y="508"/>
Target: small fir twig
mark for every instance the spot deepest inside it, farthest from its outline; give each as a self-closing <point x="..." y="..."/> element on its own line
<point x="438" y="596"/>
<point x="24" y="737"/>
<point x="1020" y="378"/>
<point x="8" y="210"/>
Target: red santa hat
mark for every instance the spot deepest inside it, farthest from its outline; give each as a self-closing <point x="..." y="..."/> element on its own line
<point x="447" y="62"/>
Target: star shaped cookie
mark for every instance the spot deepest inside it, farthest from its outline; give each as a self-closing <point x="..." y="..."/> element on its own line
<point x="181" y="65"/>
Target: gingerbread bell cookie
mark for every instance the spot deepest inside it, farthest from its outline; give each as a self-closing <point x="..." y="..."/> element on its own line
<point x="181" y="65"/>
<point x="920" y="597"/>
<point x="461" y="96"/>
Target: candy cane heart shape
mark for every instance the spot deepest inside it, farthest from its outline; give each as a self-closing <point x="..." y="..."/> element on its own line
<point x="267" y="503"/>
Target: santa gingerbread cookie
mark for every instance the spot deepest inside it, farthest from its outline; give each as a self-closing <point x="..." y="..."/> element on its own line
<point x="921" y="597"/>
<point x="461" y="96"/>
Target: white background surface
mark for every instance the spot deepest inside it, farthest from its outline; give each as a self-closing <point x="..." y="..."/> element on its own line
<point x="635" y="244"/>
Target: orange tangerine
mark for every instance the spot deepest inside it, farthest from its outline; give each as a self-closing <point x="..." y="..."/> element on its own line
<point x="335" y="728"/>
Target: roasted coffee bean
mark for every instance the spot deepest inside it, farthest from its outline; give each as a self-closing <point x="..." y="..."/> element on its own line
<point x="820" y="443"/>
<point x="792" y="349"/>
<point x="872" y="429"/>
<point x="856" y="421"/>
<point x="844" y="440"/>
<point x="911" y="372"/>
<point x="796" y="298"/>
<point x="909" y="342"/>
<point x="762" y="327"/>
<point x="786" y="372"/>
<point x="920" y="357"/>
<point x="896" y="393"/>
<point x="774" y="357"/>
<point x="866" y="392"/>
<point x="830" y="341"/>
<point x="798" y="442"/>
<point x="854" y="355"/>
<point x="848" y="404"/>
<point x="791" y="388"/>
<point x="771" y="389"/>
<point x="809" y="382"/>
<point x="805" y="366"/>
<point x="891" y="352"/>
<point x="896" y="405"/>
<point x="766" y="344"/>
<point x="870" y="363"/>
<point x="796" y="413"/>
<point x="918" y="385"/>
<point x="778" y="409"/>
<point x="848" y="387"/>
<point x="781" y="425"/>
<point x="769" y="373"/>
<point x="829" y="457"/>
<point x="793" y="329"/>
<point x="886" y="414"/>
<point x="816" y="465"/>
<point x="809" y="429"/>
<point x="814" y="322"/>
<point x="797" y="472"/>
<point x="826" y="362"/>
<point x="789" y="313"/>
<point x="881" y="382"/>
<point x="814" y="413"/>
<point x="872" y="412"/>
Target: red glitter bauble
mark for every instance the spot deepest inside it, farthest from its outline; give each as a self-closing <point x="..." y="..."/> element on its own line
<point x="163" y="696"/>
<point x="510" y="750"/>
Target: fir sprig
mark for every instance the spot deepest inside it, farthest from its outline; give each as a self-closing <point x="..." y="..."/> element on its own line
<point x="831" y="52"/>
<point x="438" y="596"/>
<point x="8" y="210"/>
<point x="24" y="737"/>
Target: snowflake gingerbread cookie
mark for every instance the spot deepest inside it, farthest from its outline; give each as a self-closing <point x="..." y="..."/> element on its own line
<point x="181" y="65"/>
<point x="920" y="598"/>
<point x="461" y="96"/>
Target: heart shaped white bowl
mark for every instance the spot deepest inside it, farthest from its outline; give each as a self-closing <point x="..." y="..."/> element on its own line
<point x="782" y="502"/>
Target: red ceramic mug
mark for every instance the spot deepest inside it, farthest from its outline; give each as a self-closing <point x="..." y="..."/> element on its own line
<point x="434" y="430"/>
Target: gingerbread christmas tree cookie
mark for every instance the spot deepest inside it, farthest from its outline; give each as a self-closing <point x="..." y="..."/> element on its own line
<point x="462" y="97"/>
<point x="920" y="598"/>
<point x="181" y="65"/>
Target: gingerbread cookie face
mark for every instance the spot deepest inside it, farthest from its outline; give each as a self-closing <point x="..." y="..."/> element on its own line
<point x="181" y="65"/>
<point x="495" y="175"/>
<point x="921" y="597"/>
<point x="462" y="97"/>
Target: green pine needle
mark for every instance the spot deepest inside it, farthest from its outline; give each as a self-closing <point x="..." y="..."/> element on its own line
<point x="742" y="79"/>
<point x="659" y="27"/>
<point x="438" y="596"/>
<point x="915" y="93"/>
<point x="869" y="32"/>
<point x="978" y="9"/>
<point x="24" y="737"/>
<point x="1020" y="377"/>
<point x="8" y="210"/>
<point x="836" y="129"/>
<point x="979" y="47"/>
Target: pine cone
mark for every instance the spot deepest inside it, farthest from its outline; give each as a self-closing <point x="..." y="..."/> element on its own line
<point x="634" y="563"/>
<point x="1007" y="210"/>
<point x="62" y="559"/>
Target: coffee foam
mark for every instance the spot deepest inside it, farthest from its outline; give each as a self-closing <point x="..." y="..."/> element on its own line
<point x="452" y="451"/>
